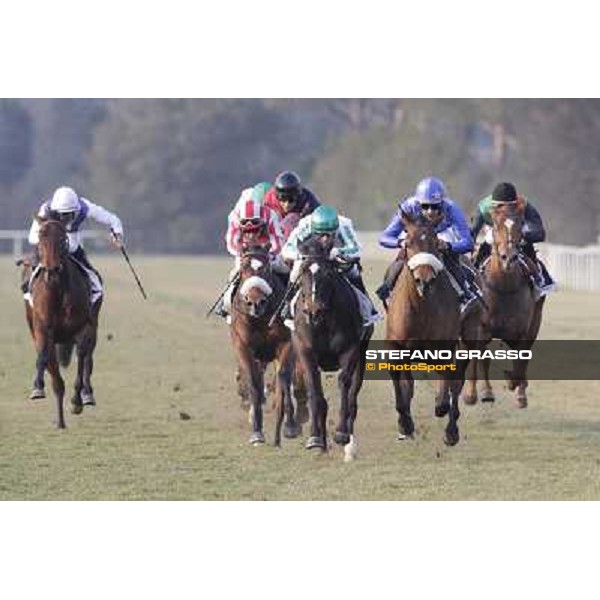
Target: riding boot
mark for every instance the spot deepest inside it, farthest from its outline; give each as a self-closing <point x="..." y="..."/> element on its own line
<point x="482" y="253"/>
<point x="389" y="280"/>
<point x="456" y="270"/>
<point x="355" y="278"/>
<point x="220" y="309"/>
<point x="34" y="261"/>
<point x="547" y="284"/>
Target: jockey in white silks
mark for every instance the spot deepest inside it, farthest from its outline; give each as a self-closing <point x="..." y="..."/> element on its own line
<point x="73" y="211"/>
<point x="325" y="221"/>
<point x="250" y="216"/>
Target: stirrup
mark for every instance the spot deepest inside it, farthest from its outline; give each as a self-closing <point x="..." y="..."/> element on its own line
<point x="466" y="301"/>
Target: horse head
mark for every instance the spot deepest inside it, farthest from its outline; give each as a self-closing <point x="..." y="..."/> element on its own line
<point x="53" y="247"/>
<point x="507" y="219"/>
<point x="255" y="288"/>
<point x="422" y="256"/>
<point x="317" y="278"/>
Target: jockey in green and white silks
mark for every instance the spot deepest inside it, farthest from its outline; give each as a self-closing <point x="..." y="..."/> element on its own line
<point x="323" y="222"/>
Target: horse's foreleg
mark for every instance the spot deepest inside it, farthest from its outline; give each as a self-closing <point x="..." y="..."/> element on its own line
<point x="283" y="395"/>
<point x="442" y="398"/>
<point x="519" y="381"/>
<point x="76" y="404"/>
<point x="342" y="436"/>
<point x="253" y="376"/>
<point x="351" y="448"/>
<point x="403" y="389"/>
<point x="86" y="350"/>
<point x="469" y="393"/>
<point x="488" y="393"/>
<point x="318" y="406"/>
<point x="455" y="386"/>
<point x="58" y="385"/>
<point x="41" y="363"/>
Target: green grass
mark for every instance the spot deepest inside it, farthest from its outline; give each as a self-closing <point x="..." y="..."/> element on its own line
<point x="164" y="358"/>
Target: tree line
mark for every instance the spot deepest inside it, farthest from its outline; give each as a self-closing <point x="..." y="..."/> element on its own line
<point x="172" y="168"/>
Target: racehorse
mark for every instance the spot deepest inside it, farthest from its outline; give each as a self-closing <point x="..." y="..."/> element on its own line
<point x="328" y="336"/>
<point x="59" y="317"/>
<point x="424" y="313"/>
<point x="513" y="310"/>
<point x="257" y="342"/>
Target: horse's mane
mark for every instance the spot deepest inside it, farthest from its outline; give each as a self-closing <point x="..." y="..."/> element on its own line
<point x="312" y="248"/>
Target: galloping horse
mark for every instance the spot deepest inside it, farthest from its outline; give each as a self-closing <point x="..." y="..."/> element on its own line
<point x="328" y="334"/>
<point x="59" y="316"/>
<point x="513" y="311"/>
<point x="424" y="313"/>
<point x="257" y="342"/>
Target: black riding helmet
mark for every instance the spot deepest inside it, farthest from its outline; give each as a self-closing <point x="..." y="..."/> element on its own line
<point x="288" y="187"/>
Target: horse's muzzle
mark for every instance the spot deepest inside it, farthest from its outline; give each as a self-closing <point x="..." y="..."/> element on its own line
<point x="258" y="308"/>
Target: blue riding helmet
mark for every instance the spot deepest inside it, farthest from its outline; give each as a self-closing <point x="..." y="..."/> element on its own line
<point x="430" y="191"/>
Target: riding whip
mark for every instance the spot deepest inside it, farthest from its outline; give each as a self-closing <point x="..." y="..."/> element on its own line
<point x="229" y="284"/>
<point x="137" y="279"/>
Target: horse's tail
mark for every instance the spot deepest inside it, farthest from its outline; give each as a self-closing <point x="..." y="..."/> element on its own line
<point x="65" y="352"/>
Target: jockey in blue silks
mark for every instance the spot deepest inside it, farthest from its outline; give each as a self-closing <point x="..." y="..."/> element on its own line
<point x="431" y="202"/>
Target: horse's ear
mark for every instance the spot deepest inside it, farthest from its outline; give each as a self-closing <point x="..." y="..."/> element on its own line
<point x="406" y="218"/>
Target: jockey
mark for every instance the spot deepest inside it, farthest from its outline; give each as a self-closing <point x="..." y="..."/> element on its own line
<point x="252" y="221"/>
<point x="289" y="196"/>
<point x="454" y="238"/>
<point x="533" y="232"/>
<point x="73" y="210"/>
<point x="325" y="223"/>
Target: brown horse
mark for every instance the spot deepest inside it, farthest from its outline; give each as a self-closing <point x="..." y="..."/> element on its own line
<point x="424" y="313"/>
<point x="257" y="343"/>
<point x="60" y="316"/>
<point x="513" y="310"/>
<point x="328" y="336"/>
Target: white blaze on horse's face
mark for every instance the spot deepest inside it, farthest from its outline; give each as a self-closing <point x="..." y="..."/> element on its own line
<point x="424" y="267"/>
<point x="255" y="292"/>
<point x="314" y="269"/>
<point x="509" y="223"/>
<point x="255" y="264"/>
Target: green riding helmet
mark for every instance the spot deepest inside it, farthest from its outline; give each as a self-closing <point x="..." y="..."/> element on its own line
<point x="259" y="191"/>
<point x="324" y="219"/>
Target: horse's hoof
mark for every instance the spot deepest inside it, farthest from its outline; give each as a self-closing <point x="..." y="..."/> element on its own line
<point x="315" y="442"/>
<point x="522" y="402"/>
<point x="488" y="398"/>
<point x="469" y="399"/>
<point x="87" y="399"/>
<point x="404" y="436"/>
<point x="257" y="438"/>
<point x="441" y="410"/>
<point x="291" y="432"/>
<point x="451" y="439"/>
<point x="76" y="408"/>
<point x="341" y="438"/>
<point x="37" y="394"/>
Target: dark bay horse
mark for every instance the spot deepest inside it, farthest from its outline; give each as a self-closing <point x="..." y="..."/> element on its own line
<point x="513" y="310"/>
<point x="60" y="316"/>
<point x="257" y="342"/>
<point x="424" y="313"/>
<point x="328" y="336"/>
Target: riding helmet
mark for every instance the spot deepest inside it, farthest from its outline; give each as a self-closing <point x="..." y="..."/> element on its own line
<point x="324" y="219"/>
<point x="430" y="191"/>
